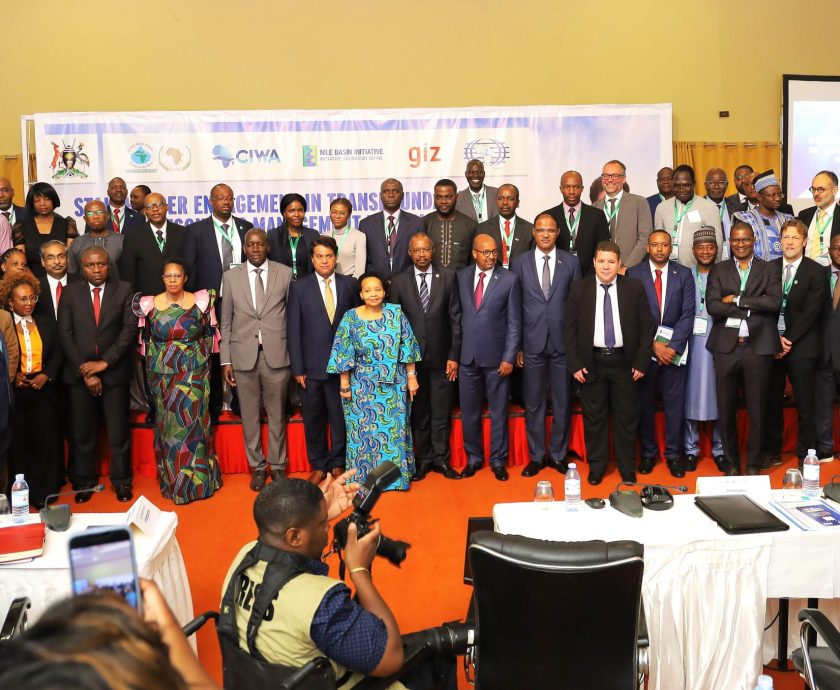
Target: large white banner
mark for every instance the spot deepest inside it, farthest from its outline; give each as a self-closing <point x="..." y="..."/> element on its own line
<point x="327" y="154"/>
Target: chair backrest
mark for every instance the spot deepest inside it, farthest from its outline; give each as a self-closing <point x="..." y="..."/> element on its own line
<point x="556" y="614"/>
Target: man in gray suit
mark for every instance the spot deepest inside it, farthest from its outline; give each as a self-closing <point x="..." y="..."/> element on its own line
<point x="478" y="201"/>
<point x="253" y="351"/>
<point x="628" y="215"/>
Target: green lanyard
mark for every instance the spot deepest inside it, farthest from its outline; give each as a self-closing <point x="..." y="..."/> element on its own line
<point x="702" y="288"/>
<point x="572" y="228"/>
<point x="745" y="274"/>
<point x="478" y="201"/>
<point x="833" y="281"/>
<point x="821" y="228"/>
<point x="678" y="219"/>
<point x="227" y="234"/>
<point x="661" y="198"/>
<point x="786" y="287"/>
<point x="612" y="215"/>
<point x="293" y="243"/>
<point x="343" y="239"/>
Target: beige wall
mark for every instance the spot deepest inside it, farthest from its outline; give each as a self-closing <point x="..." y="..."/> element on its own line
<point x="703" y="56"/>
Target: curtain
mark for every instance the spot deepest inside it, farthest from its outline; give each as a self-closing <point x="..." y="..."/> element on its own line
<point x="704" y="155"/>
<point x="11" y="167"/>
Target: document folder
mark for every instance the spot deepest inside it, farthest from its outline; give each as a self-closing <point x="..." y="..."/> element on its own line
<point x="739" y="515"/>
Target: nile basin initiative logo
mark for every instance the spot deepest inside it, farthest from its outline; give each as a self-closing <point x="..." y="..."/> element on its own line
<point x="310" y="156"/>
<point x="140" y="155"/>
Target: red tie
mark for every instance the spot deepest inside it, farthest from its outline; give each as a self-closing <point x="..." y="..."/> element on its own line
<point x="96" y="304"/>
<point x="657" y="284"/>
<point x="57" y="294"/>
<point x="505" y="244"/>
<point x="479" y="290"/>
<point x="116" y="220"/>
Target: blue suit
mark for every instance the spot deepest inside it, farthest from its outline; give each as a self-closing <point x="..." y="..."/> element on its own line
<point x="379" y="258"/>
<point x="490" y="335"/>
<point x="201" y="253"/>
<point x="544" y="350"/>
<point x="653" y="201"/>
<point x="310" y="337"/>
<point x="670" y="380"/>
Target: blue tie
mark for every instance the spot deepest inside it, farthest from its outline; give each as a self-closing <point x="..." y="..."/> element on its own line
<point x="609" y="330"/>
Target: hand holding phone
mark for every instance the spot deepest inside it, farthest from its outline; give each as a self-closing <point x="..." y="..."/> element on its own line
<point x="103" y="558"/>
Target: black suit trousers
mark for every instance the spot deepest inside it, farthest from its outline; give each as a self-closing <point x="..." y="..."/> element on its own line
<point x="670" y="381"/>
<point x="321" y="405"/>
<point x="732" y="369"/>
<point x="610" y="387"/>
<point x="86" y="415"/>
<point x="802" y="372"/>
<point x="36" y="448"/>
<point x="826" y="387"/>
<point x="431" y="416"/>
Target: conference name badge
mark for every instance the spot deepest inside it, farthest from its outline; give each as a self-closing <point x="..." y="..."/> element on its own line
<point x="733" y="322"/>
<point x="675" y="251"/>
<point x="701" y="325"/>
<point x="694" y="216"/>
<point x="781" y="325"/>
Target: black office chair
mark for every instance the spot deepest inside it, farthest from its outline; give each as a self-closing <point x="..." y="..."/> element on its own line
<point x="819" y="665"/>
<point x="16" y="618"/>
<point x="558" y="614"/>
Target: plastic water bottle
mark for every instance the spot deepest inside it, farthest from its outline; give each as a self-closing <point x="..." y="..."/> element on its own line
<point x="20" y="499"/>
<point x="811" y="475"/>
<point x="572" y="487"/>
<point x="764" y="683"/>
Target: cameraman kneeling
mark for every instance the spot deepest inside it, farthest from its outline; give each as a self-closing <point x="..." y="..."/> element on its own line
<point x="312" y="615"/>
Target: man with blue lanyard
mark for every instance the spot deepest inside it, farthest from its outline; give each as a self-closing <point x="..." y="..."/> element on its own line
<point x="766" y="219"/>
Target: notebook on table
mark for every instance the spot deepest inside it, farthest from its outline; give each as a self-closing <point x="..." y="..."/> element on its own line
<point x="739" y="514"/>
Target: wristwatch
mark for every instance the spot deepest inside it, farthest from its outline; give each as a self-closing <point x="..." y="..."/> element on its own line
<point x="344" y="390"/>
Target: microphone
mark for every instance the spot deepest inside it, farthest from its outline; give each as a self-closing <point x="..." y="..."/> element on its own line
<point x="653" y="496"/>
<point x="682" y="488"/>
<point x="57" y="517"/>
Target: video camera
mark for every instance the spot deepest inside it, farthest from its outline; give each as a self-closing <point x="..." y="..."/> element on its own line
<point x="366" y="497"/>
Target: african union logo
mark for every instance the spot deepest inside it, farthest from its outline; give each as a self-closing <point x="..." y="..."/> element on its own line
<point x="310" y="156"/>
<point x="68" y="160"/>
<point x="488" y="151"/>
<point x="174" y="158"/>
<point x="140" y="156"/>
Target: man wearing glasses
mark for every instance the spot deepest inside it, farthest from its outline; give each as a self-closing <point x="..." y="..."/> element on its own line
<point x="821" y="220"/>
<point x="716" y="186"/>
<point x="100" y="233"/>
<point x="738" y="201"/>
<point x="628" y="215"/>
<point x="491" y="331"/>
<point x="684" y="214"/>
<point x="766" y="219"/>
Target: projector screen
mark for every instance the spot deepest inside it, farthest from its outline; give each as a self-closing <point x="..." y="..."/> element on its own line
<point x="810" y="135"/>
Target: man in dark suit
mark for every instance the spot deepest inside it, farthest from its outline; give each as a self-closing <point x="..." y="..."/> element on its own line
<point x="478" y="200"/>
<point x="389" y="231"/>
<point x="96" y="327"/>
<point x="743" y="297"/>
<point x="511" y="233"/>
<point x="827" y="382"/>
<point x="743" y="177"/>
<point x="121" y="216"/>
<point x="546" y="274"/>
<point x="429" y="300"/>
<point x="581" y="227"/>
<point x="54" y="260"/>
<point x="664" y="182"/>
<point x="491" y="334"/>
<point x="147" y="248"/>
<point x="8" y="209"/>
<point x="670" y="291"/>
<point x="311" y="330"/>
<point x="822" y="220"/>
<point x="804" y="296"/>
<point x="451" y="231"/>
<point x="608" y="348"/>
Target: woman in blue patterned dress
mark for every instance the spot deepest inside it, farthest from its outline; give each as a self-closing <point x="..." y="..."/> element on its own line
<point x="374" y="351"/>
<point x="178" y="334"/>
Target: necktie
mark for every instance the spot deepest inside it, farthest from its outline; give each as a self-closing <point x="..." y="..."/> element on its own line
<point x="7" y="215"/>
<point x="479" y="290"/>
<point x="58" y="288"/>
<point x="392" y="235"/>
<point x="505" y="243"/>
<point x="835" y="293"/>
<point x="545" y="283"/>
<point x="96" y="304"/>
<point x="612" y="218"/>
<point x="609" y="328"/>
<point x="5" y="233"/>
<point x="788" y="275"/>
<point x="329" y="302"/>
<point x="657" y="285"/>
<point x="227" y="250"/>
<point x="259" y="291"/>
<point x="815" y="240"/>
<point x="116" y="220"/>
<point x="159" y="234"/>
<point x="571" y="225"/>
<point x="424" y="293"/>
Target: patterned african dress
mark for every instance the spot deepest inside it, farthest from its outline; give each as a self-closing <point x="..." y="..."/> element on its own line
<point x="377" y="414"/>
<point x="178" y="345"/>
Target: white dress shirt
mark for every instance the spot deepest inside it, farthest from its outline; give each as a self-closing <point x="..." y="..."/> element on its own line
<point x="599" y="314"/>
<point x="428" y="274"/>
<point x="539" y="261"/>
<point x="252" y="283"/>
<point x="653" y="270"/>
<point x="323" y="287"/>
<point x="487" y="275"/>
<point x="52" y="282"/>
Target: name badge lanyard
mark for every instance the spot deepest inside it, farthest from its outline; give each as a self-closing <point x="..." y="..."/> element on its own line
<point x="678" y="218"/>
<point x="572" y="229"/>
<point x="343" y="239"/>
<point x="786" y="289"/>
<point x="507" y="240"/>
<point x="478" y="202"/>
<point x="293" y="243"/>
<point x="612" y="215"/>
<point x="701" y="287"/>
<point x="388" y="236"/>
<point x="745" y="274"/>
<point x="821" y="230"/>
<point x="227" y="234"/>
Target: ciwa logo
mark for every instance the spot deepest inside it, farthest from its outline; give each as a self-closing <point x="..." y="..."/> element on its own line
<point x="227" y="157"/>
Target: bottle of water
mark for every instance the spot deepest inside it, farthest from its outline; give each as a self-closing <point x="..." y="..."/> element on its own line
<point x="764" y="683"/>
<point x="572" y="487"/>
<point x="20" y="499"/>
<point x="811" y="475"/>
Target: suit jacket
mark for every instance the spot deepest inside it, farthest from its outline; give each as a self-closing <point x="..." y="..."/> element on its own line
<point x="805" y="307"/>
<point x="521" y="242"/>
<point x="21" y="214"/>
<point x="493" y="333"/>
<point x="280" y="250"/>
<point x="653" y="201"/>
<point x="544" y="319"/>
<point x="241" y="322"/>
<point x="131" y="217"/>
<point x="679" y="300"/>
<point x="142" y="262"/>
<point x="806" y="215"/>
<point x="830" y="327"/>
<point x="201" y="253"/>
<point x="84" y="341"/>
<point x="633" y="225"/>
<point x="759" y="305"/>
<point x="11" y="348"/>
<point x="378" y="258"/>
<point x="706" y="213"/>
<point x="464" y="204"/>
<point x="45" y="306"/>
<point x="592" y="229"/>
<point x="438" y="331"/>
<point x="733" y="205"/>
<point x="637" y="326"/>
<point x="310" y="333"/>
<point x="52" y="355"/>
<point x="7" y="373"/>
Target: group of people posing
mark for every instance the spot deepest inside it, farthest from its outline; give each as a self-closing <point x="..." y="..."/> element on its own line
<point x="378" y="330"/>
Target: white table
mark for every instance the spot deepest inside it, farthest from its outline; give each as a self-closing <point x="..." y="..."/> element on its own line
<point x="706" y="593"/>
<point x="46" y="579"/>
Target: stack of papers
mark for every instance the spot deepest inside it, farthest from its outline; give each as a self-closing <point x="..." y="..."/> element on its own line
<point x="814" y="514"/>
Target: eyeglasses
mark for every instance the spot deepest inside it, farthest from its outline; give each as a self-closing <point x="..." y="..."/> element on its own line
<point x="772" y="195"/>
<point x="156" y="205"/>
<point x="55" y="257"/>
<point x="101" y="212"/>
<point x="546" y="231"/>
<point x="741" y="178"/>
<point x="718" y="183"/>
<point x="612" y="176"/>
<point x="27" y="300"/>
<point x="741" y="240"/>
<point x="422" y="250"/>
<point x="173" y="276"/>
<point x="820" y="190"/>
<point x="486" y="253"/>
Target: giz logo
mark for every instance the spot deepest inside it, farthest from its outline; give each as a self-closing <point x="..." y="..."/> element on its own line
<point x="423" y="154"/>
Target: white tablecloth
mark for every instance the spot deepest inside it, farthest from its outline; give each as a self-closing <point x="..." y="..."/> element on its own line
<point x="705" y="592"/>
<point x="47" y="578"/>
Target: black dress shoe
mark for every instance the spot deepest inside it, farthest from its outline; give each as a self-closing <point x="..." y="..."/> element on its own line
<point x="446" y="471"/>
<point x="421" y="473"/>
<point x="257" y="480"/>
<point x="277" y="475"/>
<point x="469" y="471"/>
<point x="629" y="477"/>
<point x="595" y="478"/>
<point x="532" y="469"/>
<point x="752" y="471"/>
<point x="83" y="496"/>
<point x="646" y="465"/>
<point x="124" y="493"/>
<point x="774" y="460"/>
<point x="316" y="477"/>
<point x="675" y="467"/>
<point x="690" y="462"/>
<point x="560" y="465"/>
<point x="726" y="468"/>
<point x="501" y="474"/>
